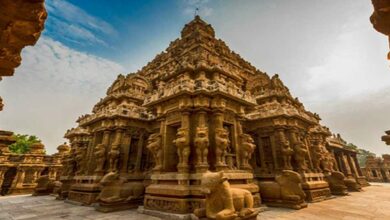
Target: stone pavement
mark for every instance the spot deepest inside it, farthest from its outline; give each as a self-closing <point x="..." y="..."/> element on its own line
<point x="373" y="203"/>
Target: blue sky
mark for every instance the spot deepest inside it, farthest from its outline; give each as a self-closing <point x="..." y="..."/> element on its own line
<point x="327" y="54"/>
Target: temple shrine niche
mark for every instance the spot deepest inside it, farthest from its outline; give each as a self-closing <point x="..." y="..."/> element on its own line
<point x="195" y="110"/>
<point x="19" y="172"/>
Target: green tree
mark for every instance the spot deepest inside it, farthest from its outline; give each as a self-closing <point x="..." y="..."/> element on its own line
<point x="23" y="143"/>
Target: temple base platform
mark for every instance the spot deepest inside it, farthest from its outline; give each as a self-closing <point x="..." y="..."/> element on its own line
<point x="85" y="190"/>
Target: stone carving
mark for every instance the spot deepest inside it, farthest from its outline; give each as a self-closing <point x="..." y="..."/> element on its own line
<point x="222" y="142"/>
<point x="286" y="191"/>
<point x="80" y="160"/>
<point x="201" y="144"/>
<point x="183" y="147"/>
<point x="100" y="155"/>
<point x="116" y="189"/>
<point x="114" y="157"/>
<point x="44" y="186"/>
<point x="336" y="183"/>
<point x="154" y="146"/>
<point x="300" y="154"/>
<point x="287" y="153"/>
<point x="318" y="154"/>
<point x="224" y="202"/>
<point x="247" y="148"/>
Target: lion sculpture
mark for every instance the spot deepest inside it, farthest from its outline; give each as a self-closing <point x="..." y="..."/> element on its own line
<point x="285" y="191"/>
<point x="224" y="202"/>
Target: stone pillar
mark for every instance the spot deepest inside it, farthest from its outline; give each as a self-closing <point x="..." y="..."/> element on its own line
<point x="18" y="181"/>
<point x="182" y="143"/>
<point x="201" y="142"/>
<point x="346" y="166"/>
<point x="115" y="147"/>
<point x="139" y="152"/>
<point x="261" y="150"/>
<point x="2" y="172"/>
<point x="126" y="149"/>
<point x="220" y="150"/>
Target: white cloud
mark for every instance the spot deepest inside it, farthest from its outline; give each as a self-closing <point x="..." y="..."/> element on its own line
<point x="71" y="23"/>
<point x="53" y="86"/>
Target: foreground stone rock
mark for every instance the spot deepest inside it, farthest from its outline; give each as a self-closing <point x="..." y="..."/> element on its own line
<point x="198" y="107"/>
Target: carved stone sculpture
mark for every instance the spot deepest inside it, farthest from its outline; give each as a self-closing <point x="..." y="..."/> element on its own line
<point x="44" y="186"/>
<point x="318" y="156"/>
<point x="287" y="153"/>
<point x="223" y="202"/>
<point x="300" y="154"/>
<point x="80" y="160"/>
<point x="201" y="144"/>
<point x="336" y="183"/>
<point x="114" y="157"/>
<point x="286" y="191"/>
<point x="154" y="146"/>
<point x="100" y="155"/>
<point x="221" y="144"/>
<point x="183" y="147"/>
<point x="247" y="148"/>
<point x="116" y="190"/>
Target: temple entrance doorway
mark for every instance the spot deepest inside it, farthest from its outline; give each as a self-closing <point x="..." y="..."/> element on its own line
<point x="45" y="172"/>
<point x="9" y="177"/>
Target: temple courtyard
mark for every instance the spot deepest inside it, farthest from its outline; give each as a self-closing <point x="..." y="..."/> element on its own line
<point x="373" y="203"/>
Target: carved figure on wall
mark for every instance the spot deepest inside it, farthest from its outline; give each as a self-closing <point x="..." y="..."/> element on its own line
<point x="287" y="153"/>
<point x="247" y="148"/>
<point x="100" y="155"/>
<point x="154" y="146"/>
<point x="318" y="156"/>
<point x="114" y="157"/>
<point x="80" y="160"/>
<point x="116" y="189"/>
<point x="300" y="154"/>
<point x="183" y="146"/>
<point x="221" y="144"/>
<point x="202" y="144"/>
<point x="223" y="202"/>
<point x="285" y="191"/>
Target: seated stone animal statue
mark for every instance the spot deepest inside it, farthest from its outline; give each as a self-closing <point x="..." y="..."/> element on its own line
<point x="336" y="183"/>
<point x="285" y="191"/>
<point x="352" y="185"/>
<point x="44" y="186"/>
<point x="57" y="187"/>
<point x="115" y="189"/>
<point x="224" y="202"/>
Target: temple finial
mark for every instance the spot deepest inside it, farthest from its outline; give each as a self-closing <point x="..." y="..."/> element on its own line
<point x="196" y="14"/>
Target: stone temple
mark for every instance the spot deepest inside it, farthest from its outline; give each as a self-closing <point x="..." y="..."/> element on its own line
<point x="195" y="109"/>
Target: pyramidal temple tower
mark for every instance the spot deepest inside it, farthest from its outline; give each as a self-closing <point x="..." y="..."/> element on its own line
<point x="197" y="107"/>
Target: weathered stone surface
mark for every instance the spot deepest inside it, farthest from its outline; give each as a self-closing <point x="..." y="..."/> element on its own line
<point x="21" y="23"/>
<point x="380" y="18"/>
<point x="198" y="107"/>
<point x="377" y="169"/>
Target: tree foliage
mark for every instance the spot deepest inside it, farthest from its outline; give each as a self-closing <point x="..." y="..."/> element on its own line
<point x="362" y="154"/>
<point x="23" y="143"/>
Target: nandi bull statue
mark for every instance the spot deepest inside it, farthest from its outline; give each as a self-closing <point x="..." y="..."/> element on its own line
<point x="224" y="202"/>
<point x="285" y="191"/>
<point x="118" y="194"/>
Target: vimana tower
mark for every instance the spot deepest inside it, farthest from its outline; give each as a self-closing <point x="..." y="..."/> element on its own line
<point x="199" y="107"/>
